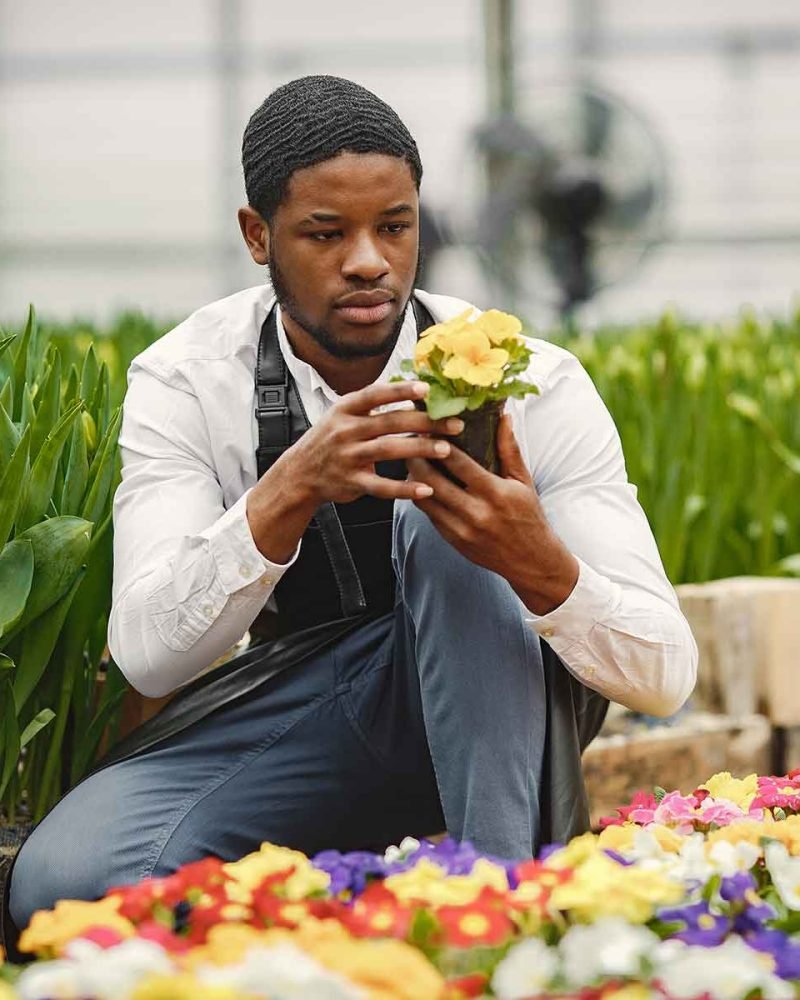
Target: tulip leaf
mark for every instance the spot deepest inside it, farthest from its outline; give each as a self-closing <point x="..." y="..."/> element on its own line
<point x="6" y="663"/>
<point x="9" y="436"/>
<point x="12" y="486"/>
<point x="101" y="474"/>
<point x="21" y="363"/>
<point x="36" y="725"/>
<point x="38" y="645"/>
<point x="89" y="375"/>
<point x="7" y="398"/>
<point x="77" y="471"/>
<point x="16" y="578"/>
<point x="48" y="404"/>
<point x="43" y="475"/>
<point x="5" y="343"/>
<point x="9" y="734"/>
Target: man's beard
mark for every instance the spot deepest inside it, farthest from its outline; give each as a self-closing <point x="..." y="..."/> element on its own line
<point x="323" y="336"/>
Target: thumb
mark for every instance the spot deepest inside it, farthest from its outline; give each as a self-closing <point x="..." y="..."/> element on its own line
<point x="512" y="465"/>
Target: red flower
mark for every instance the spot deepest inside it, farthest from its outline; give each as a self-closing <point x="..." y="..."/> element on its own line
<point x="150" y="930"/>
<point x="377" y="913"/>
<point x="484" y="921"/>
<point x="106" y="937"/>
<point x="467" y="986"/>
<point x="640" y="800"/>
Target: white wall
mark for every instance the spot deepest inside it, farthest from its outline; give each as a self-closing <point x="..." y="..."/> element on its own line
<point x="119" y="136"/>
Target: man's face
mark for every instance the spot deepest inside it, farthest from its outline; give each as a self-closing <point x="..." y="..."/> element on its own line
<point x="343" y="248"/>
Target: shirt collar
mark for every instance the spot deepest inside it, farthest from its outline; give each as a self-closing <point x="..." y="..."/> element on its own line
<point x="309" y="378"/>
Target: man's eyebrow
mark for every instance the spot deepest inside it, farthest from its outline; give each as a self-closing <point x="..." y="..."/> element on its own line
<point x="398" y="209"/>
<point x="313" y="217"/>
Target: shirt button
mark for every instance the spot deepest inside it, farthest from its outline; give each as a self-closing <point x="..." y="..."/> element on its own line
<point x="591" y="670"/>
<point x="245" y="570"/>
<point x="208" y="611"/>
<point x="266" y="580"/>
<point x="547" y="632"/>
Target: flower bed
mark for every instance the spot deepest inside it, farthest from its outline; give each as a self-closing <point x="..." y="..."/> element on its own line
<point x="679" y="896"/>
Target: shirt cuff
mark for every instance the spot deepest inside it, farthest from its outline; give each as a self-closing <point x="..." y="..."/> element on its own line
<point x="592" y="599"/>
<point x="239" y="562"/>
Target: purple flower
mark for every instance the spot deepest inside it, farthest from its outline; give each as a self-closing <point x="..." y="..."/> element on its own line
<point x="617" y="857"/>
<point x="700" y="925"/>
<point x="735" y="887"/>
<point x="350" y="871"/>
<point x="785" y="952"/>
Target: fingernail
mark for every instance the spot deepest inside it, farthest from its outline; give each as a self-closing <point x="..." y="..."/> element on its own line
<point x="420" y="388"/>
<point x="455" y="426"/>
<point x="423" y="491"/>
<point x="442" y="449"/>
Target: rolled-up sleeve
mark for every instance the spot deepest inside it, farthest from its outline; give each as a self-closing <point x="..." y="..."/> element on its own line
<point x="188" y="577"/>
<point x="620" y="631"/>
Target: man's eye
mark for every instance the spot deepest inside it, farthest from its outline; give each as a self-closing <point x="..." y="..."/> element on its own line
<point x="324" y="236"/>
<point x="396" y="228"/>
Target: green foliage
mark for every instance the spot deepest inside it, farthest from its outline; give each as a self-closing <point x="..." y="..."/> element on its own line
<point x="710" y="428"/>
<point x="59" y="466"/>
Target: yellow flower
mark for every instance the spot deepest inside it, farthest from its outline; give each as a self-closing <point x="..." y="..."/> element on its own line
<point x="184" y="987"/>
<point x="429" y="883"/>
<point x="6" y="992"/>
<point x="499" y="326"/>
<point x="386" y="969"/>
<point x="50" y="930"/>
<point x="630" y="991"/>
<point x="225" y="944"/>
<point x="740" y="791"/>
<point x="441" y="335"/>
<point x="577" y="851"/>
<point x="602" y="888"/>
<point x="474" y="359"/>
<point x="621" y="838"/>
<point x="269" y="860"/>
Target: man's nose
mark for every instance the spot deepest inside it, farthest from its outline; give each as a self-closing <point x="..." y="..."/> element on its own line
<point x="364" y="259"/>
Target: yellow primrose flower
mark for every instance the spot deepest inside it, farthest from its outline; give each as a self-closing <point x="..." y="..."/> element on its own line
<point x="602" y="888"/>
<point x="577" y="851"/>
<point x="6" y="992"/>
<point x="429" y="883"/>
<point x="499" y="326"/>
<point x="621" y="838"/>
<point x="740" y="791"/>
<point x="474" y="359"/>
<point x="386" y="969"/>
<point x="49" y="931"/>
<point x="630" y="991"/>
<point x="184" y="987"/>
<point x="225" y="944"/>
<point x="269" y="860"/>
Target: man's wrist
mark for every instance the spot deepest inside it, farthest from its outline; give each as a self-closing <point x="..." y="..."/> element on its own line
<point x="279" y="509"/>
<point x="548" y="578"/>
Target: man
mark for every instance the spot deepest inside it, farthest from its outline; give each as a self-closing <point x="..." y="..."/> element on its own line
<point x="405" y="688"/>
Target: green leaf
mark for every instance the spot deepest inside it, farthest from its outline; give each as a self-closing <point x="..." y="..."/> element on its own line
<point x="38" y="644"/>
<point x="71" y="391"/>
<point x="101" y="473"/>
<point x="48" y="404"/>
<point x="90" y="741"/>
<point x="28" y="411"/>
<point x="16" y="579"/>
<point x="659" y="793"/>
<point x="5" y="344"/>
<point x="9" y="734"/>
<point x="77" y="472"/>
<point x="21" y="364"/>
<point x="43" y="475"/>
<point x="12" y="486"/>
<point x="6" y="663"/>
<point x="7" y="398"/>
<point x="440" y="404"/>
<point x="790" y="566"/>
<point x="9" y="437"/>
<point x="60" y="546"/>
<point x="36" y="725"/>
<point x="89" y="376"/>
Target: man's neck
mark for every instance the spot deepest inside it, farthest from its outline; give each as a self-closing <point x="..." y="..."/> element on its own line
<point x="343" y="375"/>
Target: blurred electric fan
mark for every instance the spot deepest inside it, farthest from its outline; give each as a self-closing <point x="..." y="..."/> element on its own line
<point x="573" y="197"/>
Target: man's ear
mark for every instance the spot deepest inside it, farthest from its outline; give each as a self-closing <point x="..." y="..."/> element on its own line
<point x="256" y="234"/>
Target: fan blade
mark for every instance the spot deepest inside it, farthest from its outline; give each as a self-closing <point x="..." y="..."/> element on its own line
<point x="626" y="210"/>
<point x="509" y="137"/>
<point x="597" y="118"/>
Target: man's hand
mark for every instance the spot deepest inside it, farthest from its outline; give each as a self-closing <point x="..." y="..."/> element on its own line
<point x="498" y="522"/>
<point x="336" y="458"/>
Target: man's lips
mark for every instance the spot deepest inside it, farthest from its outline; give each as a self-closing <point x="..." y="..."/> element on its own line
<point x="365" y="307"/>
<point x="365" y="314"/>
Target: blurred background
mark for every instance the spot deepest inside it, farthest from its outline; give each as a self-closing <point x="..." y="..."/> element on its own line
<point x="120" y="130"/>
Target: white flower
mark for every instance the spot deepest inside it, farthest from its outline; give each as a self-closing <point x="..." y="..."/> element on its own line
<point x="730" y="859"/>
<point x="609" y="947"/>
<point x="525" y="971"/>
<point x="408" y="846"/>
<point x="785" y="873"/>
<point x="87" y="970"/>
<point x="282" y="972"/>
<point x="730" y="971"/>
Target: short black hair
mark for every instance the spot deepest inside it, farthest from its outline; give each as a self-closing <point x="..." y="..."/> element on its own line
<point x="312" y="119"/>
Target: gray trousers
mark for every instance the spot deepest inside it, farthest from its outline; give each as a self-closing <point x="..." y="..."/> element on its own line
<point x="448" y="713"/>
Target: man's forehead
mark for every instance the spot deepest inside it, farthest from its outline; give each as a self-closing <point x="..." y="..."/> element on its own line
<point x="388" y="180"/>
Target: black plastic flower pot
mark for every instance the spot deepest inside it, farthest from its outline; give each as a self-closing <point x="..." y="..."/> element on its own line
<point x="479" y="437"/>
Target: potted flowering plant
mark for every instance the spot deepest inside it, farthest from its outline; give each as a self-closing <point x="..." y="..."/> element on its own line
<point x="472" y="364"/>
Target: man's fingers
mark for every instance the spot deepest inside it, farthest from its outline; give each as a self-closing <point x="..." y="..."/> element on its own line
<point x="445" y="490"/>
<point x="511" y="460"/>
<point x="405" y="422"/>
<point x="472" y="475"/>
<point x="393" y="489"/>
<point x="381" y="394"/>
<point x="386" y="449"/>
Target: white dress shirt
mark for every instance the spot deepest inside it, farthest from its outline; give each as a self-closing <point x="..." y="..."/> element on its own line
<point x="189" y="580"/>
